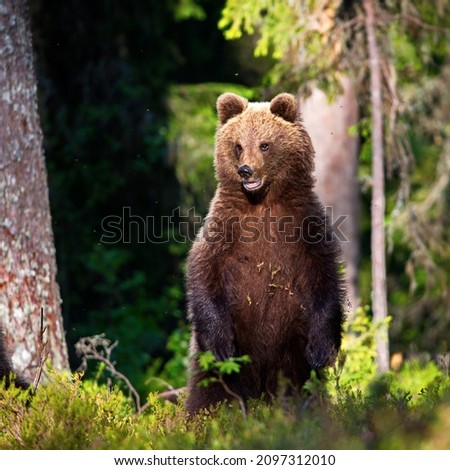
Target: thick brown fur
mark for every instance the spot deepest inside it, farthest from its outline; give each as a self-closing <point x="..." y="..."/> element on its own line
<point x="262" y="276"/>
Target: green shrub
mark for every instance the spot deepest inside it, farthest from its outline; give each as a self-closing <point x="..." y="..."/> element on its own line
<point x="356" y="365"/>
<point x="404" y="409"/>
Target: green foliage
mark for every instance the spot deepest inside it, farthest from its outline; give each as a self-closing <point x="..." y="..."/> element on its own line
<point x="404" y="409"/>
<point x="419" y="240"/>
<point x="408" y="63"/>
<point x="356" y="365"/>
<point x="304" y="49"/>
<point x="354" y="378"/>
<point x="173" y="373"/>
<point x="219" y="369"/>
<point x="240" y="17"/>
<point x="92" y="413"/>
<point x="422" y="383"/>
<point x="187" y="9"/>
<point x="102" y="418"/>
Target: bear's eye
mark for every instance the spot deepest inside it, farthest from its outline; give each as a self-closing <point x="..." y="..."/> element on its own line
<point x="238" y="148"/>
<point x="264" y="147"/>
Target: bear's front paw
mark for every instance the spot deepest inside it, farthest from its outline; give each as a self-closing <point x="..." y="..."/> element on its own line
<point x="320" y="352"/>
<point x="222" y="346"/>
<point x="224" y="351"/>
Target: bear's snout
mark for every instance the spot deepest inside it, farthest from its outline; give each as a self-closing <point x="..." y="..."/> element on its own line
<point x="245" y="171"/>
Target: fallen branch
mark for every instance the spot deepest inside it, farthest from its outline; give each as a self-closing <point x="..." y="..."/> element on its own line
<point x="99" y="348"/>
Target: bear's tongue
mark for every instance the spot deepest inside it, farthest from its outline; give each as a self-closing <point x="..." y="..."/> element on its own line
<point x="252" y="184"/>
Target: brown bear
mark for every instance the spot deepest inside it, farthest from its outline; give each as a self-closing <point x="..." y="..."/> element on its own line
<point x="263" y="276"/>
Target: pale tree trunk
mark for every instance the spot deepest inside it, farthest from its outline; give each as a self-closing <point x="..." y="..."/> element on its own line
<point x="27" y="255"/>
<point x="328" y="125"/>
<point x="379" y="294"/>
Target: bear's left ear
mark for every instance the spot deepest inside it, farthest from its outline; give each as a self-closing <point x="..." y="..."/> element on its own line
<point x="230" y="105"/>
<point x="285" y="105"/>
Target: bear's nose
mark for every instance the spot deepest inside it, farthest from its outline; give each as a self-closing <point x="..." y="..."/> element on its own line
<point x="245" y="171"/>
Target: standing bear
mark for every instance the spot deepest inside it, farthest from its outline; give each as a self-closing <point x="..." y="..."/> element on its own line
<point x="263" y="274"/>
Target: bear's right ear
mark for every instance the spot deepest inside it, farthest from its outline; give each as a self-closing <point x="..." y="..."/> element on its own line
<point x="230" y="105"/>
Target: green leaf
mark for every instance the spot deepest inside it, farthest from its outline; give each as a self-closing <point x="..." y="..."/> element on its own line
<point x="229" y="367"/>
<point x="206" y="360"/>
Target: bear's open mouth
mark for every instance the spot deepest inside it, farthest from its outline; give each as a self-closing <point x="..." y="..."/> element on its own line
<point x="252" y="185"/>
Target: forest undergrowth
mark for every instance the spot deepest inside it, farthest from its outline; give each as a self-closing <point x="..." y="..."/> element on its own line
<point x="350" y="408"/>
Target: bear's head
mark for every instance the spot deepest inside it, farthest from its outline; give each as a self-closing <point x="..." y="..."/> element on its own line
<point x="262" y="146"/>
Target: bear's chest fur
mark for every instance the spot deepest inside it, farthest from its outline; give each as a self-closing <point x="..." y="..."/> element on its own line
<point x="264" y="268"/>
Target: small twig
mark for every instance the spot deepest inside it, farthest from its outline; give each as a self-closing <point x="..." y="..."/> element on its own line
<point x="42" y="353"/>
<point x="359" y="19"/>
<point x="234" y="395"/>
<point x="161" y="381"/>
<point x="16" y="428"/>
<point x="87" y="349"/>
<point x="171" y="395"/>
<point x="419" y="22"/>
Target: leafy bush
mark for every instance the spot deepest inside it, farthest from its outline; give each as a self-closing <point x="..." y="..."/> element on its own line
<point x="408" y="409"/>
<point x="356" y="366"/>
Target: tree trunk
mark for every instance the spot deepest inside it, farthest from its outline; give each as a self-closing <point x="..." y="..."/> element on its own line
<point x="27" y="254"/>
<point x="337" y="169"/>
<point x="379" y="295"/>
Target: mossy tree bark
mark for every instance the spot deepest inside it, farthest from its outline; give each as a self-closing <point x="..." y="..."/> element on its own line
<point x="27" y="254"/>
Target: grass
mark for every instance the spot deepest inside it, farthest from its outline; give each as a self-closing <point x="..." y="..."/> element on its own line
<point x="70" y="413"/>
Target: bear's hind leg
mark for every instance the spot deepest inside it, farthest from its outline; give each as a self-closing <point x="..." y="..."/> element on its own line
<point x="201" y="397"/>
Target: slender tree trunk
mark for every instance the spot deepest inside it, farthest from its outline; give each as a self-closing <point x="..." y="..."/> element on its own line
<point x="379" y="295"/>
<point x="336" y="172"/>
<point x="27" y="255"/>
